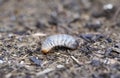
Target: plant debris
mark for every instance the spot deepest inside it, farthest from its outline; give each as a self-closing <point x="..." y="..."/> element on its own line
<point x="25" y="24"/>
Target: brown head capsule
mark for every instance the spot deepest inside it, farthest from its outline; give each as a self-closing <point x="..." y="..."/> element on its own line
<point x="59" y="40"/>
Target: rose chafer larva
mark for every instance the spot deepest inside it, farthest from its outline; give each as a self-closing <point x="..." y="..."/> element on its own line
<point x="63" y="40"/>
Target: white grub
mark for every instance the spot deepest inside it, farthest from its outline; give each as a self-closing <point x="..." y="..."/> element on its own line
<point x="59" y="40"/>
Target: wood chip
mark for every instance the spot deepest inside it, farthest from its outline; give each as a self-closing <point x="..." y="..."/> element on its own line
<point x="45" y="71"/>
<point x="39" y="34"/>
<point x="75" y="60"/>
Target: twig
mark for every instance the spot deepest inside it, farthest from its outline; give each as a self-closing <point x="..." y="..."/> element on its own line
<point x="38" y="34"/>
<point x="76" y="60"/>
<point x="116" y="14"/>
<point x="49" y="70"/>
<point x="45" y="71"/>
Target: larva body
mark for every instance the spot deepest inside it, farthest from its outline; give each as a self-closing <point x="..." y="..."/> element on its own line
<point x="59" y="40"/>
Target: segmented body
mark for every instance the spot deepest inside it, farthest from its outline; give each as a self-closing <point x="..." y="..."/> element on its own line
<point x="59" y="40"/>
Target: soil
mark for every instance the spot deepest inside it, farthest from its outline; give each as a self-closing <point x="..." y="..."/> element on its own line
<point x="25" y="24"/>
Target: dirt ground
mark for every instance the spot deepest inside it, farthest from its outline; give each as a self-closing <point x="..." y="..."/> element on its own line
<point x="25" y="24"/>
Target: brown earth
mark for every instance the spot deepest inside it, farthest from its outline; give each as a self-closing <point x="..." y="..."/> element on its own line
<point x="24" y="25"/>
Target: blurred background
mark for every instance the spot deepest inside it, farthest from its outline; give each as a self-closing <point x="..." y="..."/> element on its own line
<point x="54" y="16"/>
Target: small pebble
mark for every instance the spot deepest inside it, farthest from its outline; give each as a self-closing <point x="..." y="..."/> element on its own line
<point x="21" y="32"/>
<point x="60" y="66"/>
<point x="53" y="19"/>
<point x="87" y="37"/>
<point x="92" y="37"/>
<point x="108" y="7"/>
<point x="95" y="63"/>
<point x="35" y="60"/>
<point x="41" y="24"/>
<point x="109" y="40"/>
<point x="109" y="10"/>
<point x="1" y="61"/>
<point x="93" y="25"/>
<point x="11" y="35"/>
<point x="117" y="45"/>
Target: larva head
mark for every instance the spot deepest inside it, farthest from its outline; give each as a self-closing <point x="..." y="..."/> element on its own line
<point x="45" y="50"/>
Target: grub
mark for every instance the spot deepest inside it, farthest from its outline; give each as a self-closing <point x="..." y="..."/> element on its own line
<point x="25" y="24"/>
